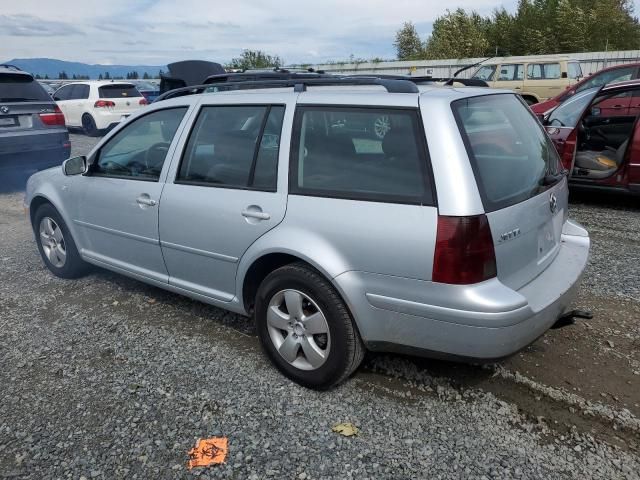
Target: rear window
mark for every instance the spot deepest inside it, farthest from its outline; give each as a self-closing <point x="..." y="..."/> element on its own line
<point x="374" y="154"/>
<point x="118" y="91"/>
<point x="21" y="88"/>
<point x="508" y="149"/>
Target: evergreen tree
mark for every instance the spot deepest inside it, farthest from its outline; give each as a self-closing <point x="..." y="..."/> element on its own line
<point x="407" y="43"/>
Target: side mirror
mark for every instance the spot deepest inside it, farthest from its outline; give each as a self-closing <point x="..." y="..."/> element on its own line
<point x="75" y="166"/>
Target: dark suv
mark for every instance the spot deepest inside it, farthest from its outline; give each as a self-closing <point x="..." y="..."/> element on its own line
<point x="33" y="135"/>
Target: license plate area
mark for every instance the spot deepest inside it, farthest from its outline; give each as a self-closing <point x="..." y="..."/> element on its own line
<point x="549" y="237"/>
<point x="9" y="121"/>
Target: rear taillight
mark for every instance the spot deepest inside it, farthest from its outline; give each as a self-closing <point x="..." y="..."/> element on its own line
<point x="104" y="104"/>
<point x="143" y="101"/>
<point x="55" y="118"/>
<point x="464" y="250"/>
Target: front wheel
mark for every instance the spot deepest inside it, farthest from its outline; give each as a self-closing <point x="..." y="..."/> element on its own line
<point x="56" y="246"/>
<point x="305" y="327"/>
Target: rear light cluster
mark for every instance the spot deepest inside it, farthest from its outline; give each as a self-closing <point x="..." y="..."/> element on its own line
<point x="143" y="101"/>
<point x="464" y="250"/>
<point x="55" y="118"/>
<point x="104" y="104"/>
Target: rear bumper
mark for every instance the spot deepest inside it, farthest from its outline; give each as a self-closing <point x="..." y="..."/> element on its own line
<point x="483" y="321"/>
<point x="106" y="120"/>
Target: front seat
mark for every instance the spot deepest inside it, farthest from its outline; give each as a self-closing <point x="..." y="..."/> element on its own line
<point x="601" y="164"/>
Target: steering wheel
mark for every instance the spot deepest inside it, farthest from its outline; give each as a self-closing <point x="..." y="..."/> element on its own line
<point x="152" y="153"/>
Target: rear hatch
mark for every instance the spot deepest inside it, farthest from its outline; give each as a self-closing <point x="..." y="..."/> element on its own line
<point x="27" y="111"/>
<point x="521" y="182"/>
<point x="125" y="97"/>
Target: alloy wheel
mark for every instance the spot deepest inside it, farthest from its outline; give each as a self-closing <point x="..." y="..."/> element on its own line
<point x="298" y="329"/>
<point x="382" y="125"/>
<point x="52" y="242"/>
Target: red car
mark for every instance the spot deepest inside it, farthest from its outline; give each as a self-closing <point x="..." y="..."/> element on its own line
<point x="618" y="73"/>
<point x="597" y="134"/>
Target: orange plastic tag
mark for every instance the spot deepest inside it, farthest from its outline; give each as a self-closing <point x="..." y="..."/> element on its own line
<point x="208" y="451"/>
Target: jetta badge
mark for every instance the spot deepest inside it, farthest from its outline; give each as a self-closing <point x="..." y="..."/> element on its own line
<point x="4" y="109"/>
<point x="553" y="203"/>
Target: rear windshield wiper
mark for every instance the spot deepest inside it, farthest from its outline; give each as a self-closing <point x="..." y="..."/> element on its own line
<point x="551" y="179"/>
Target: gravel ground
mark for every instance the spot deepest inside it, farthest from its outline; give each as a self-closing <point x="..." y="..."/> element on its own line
<point x="106" y="377"/>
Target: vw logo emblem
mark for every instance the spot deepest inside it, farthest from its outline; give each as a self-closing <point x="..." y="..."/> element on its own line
<point x="553" y="203"/>
<point x="4" y="109"/>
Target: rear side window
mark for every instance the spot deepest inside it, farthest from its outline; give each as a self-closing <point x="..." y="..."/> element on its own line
<point x="118" y="91"/>
<point x="234" y="146"/>
<point x="79" y="92"/>
<point x="360" y="153"/>
<point x="543" y="71"/>
<point x="508" y="149"/>
<point x="21" y="88"/>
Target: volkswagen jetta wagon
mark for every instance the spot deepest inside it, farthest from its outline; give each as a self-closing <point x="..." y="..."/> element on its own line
<point x="448" y="235"/>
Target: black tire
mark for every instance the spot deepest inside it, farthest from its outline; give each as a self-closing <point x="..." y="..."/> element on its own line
<point x="73" y="266"/>
<point x="89" y="126"/>
<point x="346" y="348"/>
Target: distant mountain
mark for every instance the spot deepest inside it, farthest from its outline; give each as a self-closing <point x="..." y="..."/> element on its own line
<point x="53" y="68"/>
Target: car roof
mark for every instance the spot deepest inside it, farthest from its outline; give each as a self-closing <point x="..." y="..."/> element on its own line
<point x="99" y="83"/>
<point x="340" y="94"/>
<point x="5" y="68"/>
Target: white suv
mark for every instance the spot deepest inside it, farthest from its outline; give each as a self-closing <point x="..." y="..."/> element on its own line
<point x="96" y="106"/>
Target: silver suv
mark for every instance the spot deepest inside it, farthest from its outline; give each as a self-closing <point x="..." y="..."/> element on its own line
<point x="448" y="235"/>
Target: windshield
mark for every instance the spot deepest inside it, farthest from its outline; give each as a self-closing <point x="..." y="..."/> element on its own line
<point x="21" y="88"/>
<point x="568" y="113"/>
<point x="485" y="73"/>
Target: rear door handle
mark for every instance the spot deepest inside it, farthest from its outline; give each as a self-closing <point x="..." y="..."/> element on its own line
<point x="145" y="200"/>
<point x="255" y="214"/>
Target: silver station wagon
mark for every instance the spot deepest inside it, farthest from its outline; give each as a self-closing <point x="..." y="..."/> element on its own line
<point x="343" y="217"/>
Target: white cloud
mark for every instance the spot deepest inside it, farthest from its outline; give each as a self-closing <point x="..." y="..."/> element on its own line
<point x="162" y="31"/>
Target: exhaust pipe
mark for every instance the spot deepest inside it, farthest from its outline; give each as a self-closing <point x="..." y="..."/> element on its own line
<point x="569" y="318"/>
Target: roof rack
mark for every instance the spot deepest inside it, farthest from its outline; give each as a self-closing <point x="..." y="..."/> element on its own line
<point x="299" y="85"/>
<point x="425" y="80"/>
<point x="7" y="65"/>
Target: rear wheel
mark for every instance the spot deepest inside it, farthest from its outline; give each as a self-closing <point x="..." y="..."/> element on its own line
<point x="89" y="126"/>
<point x="305" y="327"/>
<point x="56" y="246"/>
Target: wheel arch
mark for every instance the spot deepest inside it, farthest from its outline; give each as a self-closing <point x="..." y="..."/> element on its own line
<point x="282" y="246"/>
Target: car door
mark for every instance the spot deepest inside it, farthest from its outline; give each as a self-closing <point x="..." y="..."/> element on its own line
<point x="510" y="76"/>
<point x="226" y="192"/>
<point x="62" y="96"/>
<point x="545" y="80"/>
<point x="117" y="213"/>
<point x="75" y="104"/>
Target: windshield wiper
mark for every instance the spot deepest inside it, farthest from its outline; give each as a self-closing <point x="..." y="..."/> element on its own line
<point x="551" y="179"/>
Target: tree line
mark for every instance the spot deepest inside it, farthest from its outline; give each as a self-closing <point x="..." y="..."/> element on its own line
<point x="536" y="27"/>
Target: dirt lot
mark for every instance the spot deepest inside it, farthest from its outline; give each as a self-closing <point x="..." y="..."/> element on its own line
<point x="106" y="377"/>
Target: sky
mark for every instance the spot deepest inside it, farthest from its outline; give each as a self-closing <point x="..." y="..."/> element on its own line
<point x="157" y="32"/>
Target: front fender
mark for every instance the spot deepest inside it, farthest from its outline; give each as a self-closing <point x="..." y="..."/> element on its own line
<point x="54" y="187"/>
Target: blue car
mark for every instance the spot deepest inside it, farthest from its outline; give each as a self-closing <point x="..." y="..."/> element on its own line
<point x="33" y="135"/>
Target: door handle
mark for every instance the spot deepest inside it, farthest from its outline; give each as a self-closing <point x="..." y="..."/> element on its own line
<point x="145" y="200"/>
<point x="256" y="214"/>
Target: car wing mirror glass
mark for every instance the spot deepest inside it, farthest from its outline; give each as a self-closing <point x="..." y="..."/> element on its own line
<point x="75" y="166"/>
